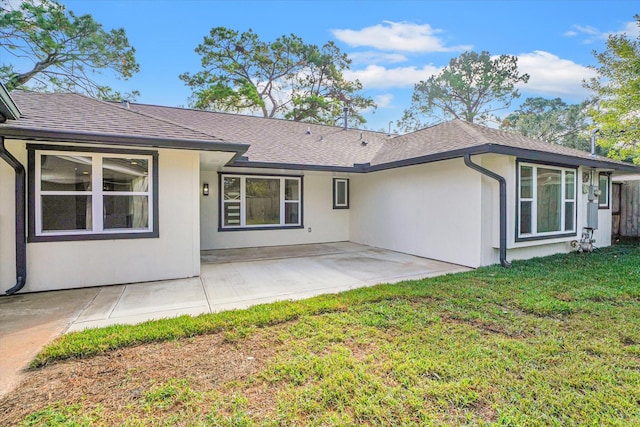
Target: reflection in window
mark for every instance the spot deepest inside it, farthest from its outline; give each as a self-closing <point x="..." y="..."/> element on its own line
<point x="546" y="201"/>
<point x="260" y="201"/>
<point x="66" y="213"/>
<point x="122" y="174"/>
<point x="91" y="193"/>
<point x="65" y="173"/>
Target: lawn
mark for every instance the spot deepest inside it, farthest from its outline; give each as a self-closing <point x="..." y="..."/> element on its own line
<point x="551" y="341"/>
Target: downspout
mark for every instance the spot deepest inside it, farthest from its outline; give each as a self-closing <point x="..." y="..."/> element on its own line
<point x="503" y="206"/>
<point x="21" y="238"/>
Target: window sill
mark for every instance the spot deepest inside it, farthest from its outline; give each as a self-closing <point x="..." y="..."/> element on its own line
<point x="522" y="242"/>
<point x="88" y="236"/>
<point x="278" y="227"/>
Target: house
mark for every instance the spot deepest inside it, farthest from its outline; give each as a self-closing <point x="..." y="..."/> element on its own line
<point x="125" y="192"/>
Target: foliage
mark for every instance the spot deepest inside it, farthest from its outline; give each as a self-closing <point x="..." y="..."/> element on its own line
<point x="617" y="89"/>
<point x="469" y="88"/>
<point x="551" y="341"/>
<point x="285" y="78"/>
<point x="551" y="120"/>
<point x="62" y="51"/>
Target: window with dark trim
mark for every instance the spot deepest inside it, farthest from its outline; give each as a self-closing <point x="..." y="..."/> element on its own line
<point x="604" y="181"/>
<point x="260" y="201"/>
<point x="340" y="193"/>
<point x="81" y="193"/>
<point x="546" y="206"/>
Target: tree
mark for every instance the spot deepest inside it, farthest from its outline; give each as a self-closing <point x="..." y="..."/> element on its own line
<point x="469" y="88"/>
<point x="551" y="120"/>
<point x="284" y="78"/>
<point x="617" y="92"/>
<point x="61" y="51"/>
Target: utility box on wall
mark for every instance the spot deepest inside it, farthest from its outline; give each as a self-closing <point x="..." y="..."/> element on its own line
<point x="592" y="215"/>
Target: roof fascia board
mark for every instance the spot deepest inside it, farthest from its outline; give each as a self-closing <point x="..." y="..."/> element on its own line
<point x="8" y="108"/>
<point x="445" y="155"/>
<point x="293" y="166"/>
<point x="542" y="156"/>
<point x="111" y="139"/>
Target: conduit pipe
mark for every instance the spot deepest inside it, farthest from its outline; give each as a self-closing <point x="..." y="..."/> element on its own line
<point x="21" y="238"/>
<point x="503" y="206"/>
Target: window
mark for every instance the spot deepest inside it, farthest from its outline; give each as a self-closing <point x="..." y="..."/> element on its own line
<point x="603" y="185"/>
<point x="248" y="201"/>
<point x="340" y="193"/>
<point x="81" y="195"/>
<point x="546" y="201"/>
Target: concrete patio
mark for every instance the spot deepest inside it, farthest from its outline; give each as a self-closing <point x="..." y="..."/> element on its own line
<point x="239" y="278"/>
<point x="230" y="279"/>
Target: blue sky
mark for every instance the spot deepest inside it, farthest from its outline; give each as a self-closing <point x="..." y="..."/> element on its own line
<point x="393" y="44"/>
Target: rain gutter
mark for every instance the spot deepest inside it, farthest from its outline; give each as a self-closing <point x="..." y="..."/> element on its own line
<point x="503" y="206"/>
<point x="21" y="238"/>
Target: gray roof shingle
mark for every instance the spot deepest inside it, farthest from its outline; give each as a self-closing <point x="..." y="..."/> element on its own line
<point x="459" y="135"/>
<point x="68" y="112"/>
<point x="275" y="141"/>
<point x="279" y="141"/>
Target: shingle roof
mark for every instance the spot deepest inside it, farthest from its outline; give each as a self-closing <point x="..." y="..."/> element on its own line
<point x="279" y="141"/>
<point x="74" y="112"/>
<point x="460" y="135"/>
<point x="274" y="141"/>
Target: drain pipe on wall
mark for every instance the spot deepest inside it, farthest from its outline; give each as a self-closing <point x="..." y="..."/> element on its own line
<point x="503" y="206"/>
<point x="21" y="238"/>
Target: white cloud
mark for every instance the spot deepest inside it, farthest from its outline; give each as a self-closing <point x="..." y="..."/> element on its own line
<point x="377" y="76"/>
<point x="592" y="34"/>
<point x="397" y="36"/>
<point x="384" y="100"/>
<point x="371" y="57"/>
<point x="631" y="29"/>
<point x="553" y="76"/>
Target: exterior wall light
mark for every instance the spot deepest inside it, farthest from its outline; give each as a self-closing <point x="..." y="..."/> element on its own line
<point x="205" y="189"/>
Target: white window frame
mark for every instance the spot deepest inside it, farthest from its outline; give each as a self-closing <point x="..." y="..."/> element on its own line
<point x="242" y="201"/>
<point x="336" y="183"/>
<point x="96" y="192"/>
<point x="534" y="235"/>
<point x="606" y="191"/>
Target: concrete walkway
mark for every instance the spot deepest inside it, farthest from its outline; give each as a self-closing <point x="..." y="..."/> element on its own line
<point x="229" y="279"/>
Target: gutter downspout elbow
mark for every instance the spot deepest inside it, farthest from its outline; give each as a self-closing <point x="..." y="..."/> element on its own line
<point x="21" y="238"/>
<point x="503" y="206"/>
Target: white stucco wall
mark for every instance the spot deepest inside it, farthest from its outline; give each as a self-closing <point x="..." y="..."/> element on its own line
<point x="7" y="225"/>
<point x="506" y="167"/>
<point x="321" y="222"/>
<point x="430" y="210"/>
<point x="63" y="265"/>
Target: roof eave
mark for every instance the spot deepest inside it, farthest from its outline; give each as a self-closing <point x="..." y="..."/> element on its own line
<point x="43" y="134"/>
<point x="544" y="156"/>
<point x="239" y="163"/>
<point x="8" y="108"/>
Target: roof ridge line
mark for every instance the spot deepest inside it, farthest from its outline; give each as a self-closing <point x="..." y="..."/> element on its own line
<point x="259" y="118"/>
<point x="470" y="130"/>
<point x="114" y="104"/>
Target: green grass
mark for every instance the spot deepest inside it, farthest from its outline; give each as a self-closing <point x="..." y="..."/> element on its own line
<point x="551" y="341"/>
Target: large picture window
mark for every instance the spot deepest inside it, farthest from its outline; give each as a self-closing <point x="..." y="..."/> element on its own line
<point x="248" y="201"/>
<point x="546" y="201"/>
<point x="80" y="195"/>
